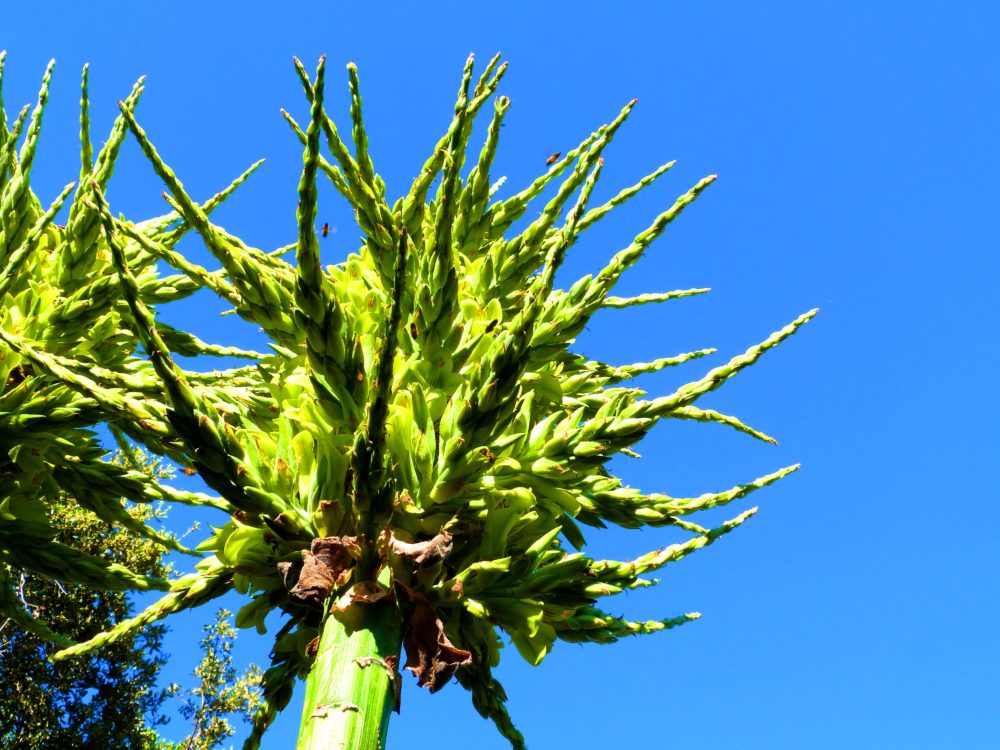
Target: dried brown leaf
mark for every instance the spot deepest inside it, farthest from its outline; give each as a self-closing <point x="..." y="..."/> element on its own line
<point x="367" y="592"/>
<point x="427" y="552"/>
<point x="431" y="657"/>
<point x="327" y="565"/>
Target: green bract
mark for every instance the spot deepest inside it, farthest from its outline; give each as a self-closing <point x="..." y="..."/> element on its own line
<point x="418" y="457"/>
<point x="67" y="358"/>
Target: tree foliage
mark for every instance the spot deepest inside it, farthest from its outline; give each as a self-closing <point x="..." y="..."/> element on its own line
<point x="100" y="700"/>
<point x="111" y="698"/>
<point x="108" y="699"/>
<point x="222" y="691"/>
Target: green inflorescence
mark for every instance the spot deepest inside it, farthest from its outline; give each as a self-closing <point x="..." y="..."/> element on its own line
<point x="421" y="404"/>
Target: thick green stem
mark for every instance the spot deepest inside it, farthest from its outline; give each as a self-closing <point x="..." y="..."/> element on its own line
<point x="350" y="691"/>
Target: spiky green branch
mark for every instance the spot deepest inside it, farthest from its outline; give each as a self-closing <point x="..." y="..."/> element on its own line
<point x="416" y="462"/>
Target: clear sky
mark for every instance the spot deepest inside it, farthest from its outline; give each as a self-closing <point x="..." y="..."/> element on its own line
<point x="857" y="148"/>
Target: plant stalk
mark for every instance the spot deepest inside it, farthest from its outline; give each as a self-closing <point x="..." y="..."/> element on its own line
<point x="350" y="691"/>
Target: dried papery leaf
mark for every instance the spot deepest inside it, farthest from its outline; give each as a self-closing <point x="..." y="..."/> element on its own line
<point x="290" y="571"/>
<point x="428" y="552"/>
<point x="366" y="592"/>
<point x="327" y="565"/>
<point x="431" y="657"/>
<point x="312" y="647"/>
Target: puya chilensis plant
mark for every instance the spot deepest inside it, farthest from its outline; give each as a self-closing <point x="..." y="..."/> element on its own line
<point x="63" y="322"/>
<point x="415" y="464"/>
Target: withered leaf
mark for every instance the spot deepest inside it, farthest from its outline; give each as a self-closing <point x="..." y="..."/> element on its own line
<point x="431" y="657"/>
<point x="428" y="552"/>
<point x="312" y="648"/>
<point x="327" y="565"/>
<point x="290" y="573"/>
<point x="366" y="592"/>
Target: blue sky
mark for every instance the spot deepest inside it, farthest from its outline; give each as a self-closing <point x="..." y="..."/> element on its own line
<point x="856" y="145"/>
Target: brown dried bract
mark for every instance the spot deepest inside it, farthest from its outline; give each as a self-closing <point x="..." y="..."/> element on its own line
<point x="431" y="657"/>
<point x="428" y="552"/>
<point x="366" y="592"/>
<point x="312" y="648"/>
<point x="290" y="573"/>
<point x="327" y="565"/>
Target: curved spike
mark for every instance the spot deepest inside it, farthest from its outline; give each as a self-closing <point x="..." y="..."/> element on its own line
<point x="507" y="212"/>
<point x="197" y="422"/>
<point x="13" y="262"/>
<point x="626" y="574"/>
<point x="330" y="170"/>
<point x="86" y="148"/>
<point x="689" y="393"/>
<point x="3" y="112"/>
<point x="645" y="299"/>
<point x="596" y="214"/>
<point x="365" y="167"/>
<point x="212" y="580"/>
<point x="278" y="686"/>
<point x="707" y="415"/>
<point x="27" y="153"/>
<point x="64" y="563"/>
<point x="319" y="314"/>
<point x="12" y="609"/>
<point x="173" y="236"/>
